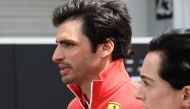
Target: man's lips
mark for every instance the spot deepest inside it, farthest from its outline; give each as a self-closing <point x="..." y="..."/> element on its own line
<point x="63" y="69"/>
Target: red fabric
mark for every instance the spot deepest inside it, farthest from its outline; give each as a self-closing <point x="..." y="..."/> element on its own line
<point x="114" y="86"/>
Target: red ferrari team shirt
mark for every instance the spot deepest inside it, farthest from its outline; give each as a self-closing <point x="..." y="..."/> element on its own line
<point x="115" y="90"/>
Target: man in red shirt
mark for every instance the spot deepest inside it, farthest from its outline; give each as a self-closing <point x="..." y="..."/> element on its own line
<point x="93" y="39"/>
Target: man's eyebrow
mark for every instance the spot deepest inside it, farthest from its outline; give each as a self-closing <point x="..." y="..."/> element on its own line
<point x="66" y="41"/>
<point x="146" y="77"/>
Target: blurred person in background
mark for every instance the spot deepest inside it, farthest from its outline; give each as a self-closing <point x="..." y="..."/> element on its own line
<point x="93" y="40"/>
<point x="165" y="73"/>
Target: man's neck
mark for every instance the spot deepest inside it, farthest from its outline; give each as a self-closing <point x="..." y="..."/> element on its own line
<point x="86" y="85"/>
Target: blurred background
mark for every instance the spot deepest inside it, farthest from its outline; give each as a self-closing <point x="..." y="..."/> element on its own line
<point x="28" y="77"/>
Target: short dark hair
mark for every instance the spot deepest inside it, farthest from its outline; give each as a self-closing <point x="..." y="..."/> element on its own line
<point x="174" y="46"/>
<point x="102" y="19"/>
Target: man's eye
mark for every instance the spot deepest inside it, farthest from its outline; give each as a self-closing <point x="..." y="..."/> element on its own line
<point x="68" y="44"/>
<point x="145" y="83"/>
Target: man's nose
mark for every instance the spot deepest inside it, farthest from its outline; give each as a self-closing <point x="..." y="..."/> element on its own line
<point x="57" y="55"/>
<point x="140" y="94"/>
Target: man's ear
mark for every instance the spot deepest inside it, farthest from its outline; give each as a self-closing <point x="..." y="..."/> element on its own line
<point x="105" y="49"/>
<point x="186" y="96"/>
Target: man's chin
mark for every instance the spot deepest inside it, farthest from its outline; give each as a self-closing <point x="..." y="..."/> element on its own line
<point x="66" y="81"/>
